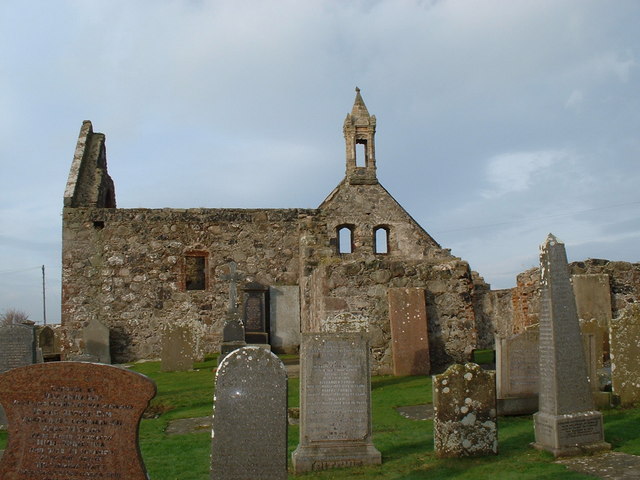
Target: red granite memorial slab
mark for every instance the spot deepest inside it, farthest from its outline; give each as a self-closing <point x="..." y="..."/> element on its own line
<point x="409" y="334"/>
<point x="73" y="420"/>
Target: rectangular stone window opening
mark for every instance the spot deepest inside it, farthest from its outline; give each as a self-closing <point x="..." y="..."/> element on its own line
<point x="361" y="153"/>
<point x="195" y="268"/>
<point x="381" y="240"/>
<point x="345" y="239"/>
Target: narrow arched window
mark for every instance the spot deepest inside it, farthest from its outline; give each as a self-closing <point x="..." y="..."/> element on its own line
<point x="381" y="239"/>
<point x="345" y="238"/>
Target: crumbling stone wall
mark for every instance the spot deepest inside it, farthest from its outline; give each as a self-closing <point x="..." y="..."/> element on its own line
<point x="624" y="281"/>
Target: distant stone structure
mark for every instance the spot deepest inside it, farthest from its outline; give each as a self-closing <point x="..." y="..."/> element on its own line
<point x="137" y="269"/>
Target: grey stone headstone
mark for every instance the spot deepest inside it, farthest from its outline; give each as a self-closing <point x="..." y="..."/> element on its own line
<point x="177" y="349"/>
<point x="232" y="335"/>
<point x="567" y="422"/>
<point x="517" y="373"/>
<point x="335" y="403"/>
<point x="17" y="349"/>
<point x="96" y="341"/>
<point x="465" y="418"/>
<point x="284" y="303"/>
<point x="250" y="417"/>
<point x="17" y="346"/>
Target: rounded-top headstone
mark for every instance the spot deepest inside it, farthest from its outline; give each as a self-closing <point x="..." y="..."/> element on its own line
<point x="250" y="417"/>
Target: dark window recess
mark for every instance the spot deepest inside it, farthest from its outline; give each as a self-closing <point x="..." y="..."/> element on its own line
<point x="98" y="225"/>
<point x="194" y="273"/>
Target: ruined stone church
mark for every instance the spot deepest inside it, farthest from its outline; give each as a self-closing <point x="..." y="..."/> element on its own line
<point x="332" y="268"/>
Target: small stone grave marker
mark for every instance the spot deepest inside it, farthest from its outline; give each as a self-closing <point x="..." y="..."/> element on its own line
<point x="409" y="333"/>
<point x="335" y="403"/>
<point x="250" y="417"/>
<point x="625" y="352"/>
<point x="96" y="341"/>
<point x="465" y="418"/>
<point x="177" y="349"/>
<point x="17" y="349"/>
<point x="71" y="420"/>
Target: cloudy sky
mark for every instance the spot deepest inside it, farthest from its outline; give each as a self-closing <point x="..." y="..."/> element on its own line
<point x="498" y="121"/>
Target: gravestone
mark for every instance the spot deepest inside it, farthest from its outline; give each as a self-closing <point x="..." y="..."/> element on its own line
<point x="335" y="403"/>
<point x="465" y="417"/>
<point x="48" y="344"/>
<point x="232" y="335"/>
<point x="71" y="420"/>
<point x="96" y="341"/>
<point x="17" y="349"/>
<point x="517" y="373"/>
<point x="250" y="417"/>
<point x="593" y="303"/>
<point x="625" y="352"/>
<point x="567" y="422"/>
<point x="284" y="304"/>
<point x="409" y="333"/>
<point x="256" y="325"/>
<point x="177" y="349"/>
<point x="17" y="346"/>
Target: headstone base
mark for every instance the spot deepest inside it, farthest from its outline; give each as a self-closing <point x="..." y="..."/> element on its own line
<point x="517" y="405"/>
<point x="570" y="434"/>
<point x="310" y="458"/>
<point x="257" y="337"/>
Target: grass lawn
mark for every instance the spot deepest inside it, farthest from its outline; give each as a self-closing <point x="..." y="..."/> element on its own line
<point x="406" y="445"/>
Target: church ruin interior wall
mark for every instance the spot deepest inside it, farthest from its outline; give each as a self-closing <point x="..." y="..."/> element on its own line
<point x="127" y="268"/>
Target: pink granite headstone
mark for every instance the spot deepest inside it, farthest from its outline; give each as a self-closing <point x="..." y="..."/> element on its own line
<point x="73" y="420"/>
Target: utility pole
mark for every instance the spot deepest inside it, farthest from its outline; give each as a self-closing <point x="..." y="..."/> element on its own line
<point x="44" y="299"/>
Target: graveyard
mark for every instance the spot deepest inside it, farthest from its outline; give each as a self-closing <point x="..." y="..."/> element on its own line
<point x="406" y="444"/>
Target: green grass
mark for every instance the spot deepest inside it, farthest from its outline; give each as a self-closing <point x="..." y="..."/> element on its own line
<point x="406" y="445"/>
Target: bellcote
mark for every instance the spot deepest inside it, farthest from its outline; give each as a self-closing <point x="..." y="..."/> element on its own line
<point x="359" y="135"/>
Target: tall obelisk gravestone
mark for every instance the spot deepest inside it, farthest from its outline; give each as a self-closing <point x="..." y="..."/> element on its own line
<point x="567" y="423"/>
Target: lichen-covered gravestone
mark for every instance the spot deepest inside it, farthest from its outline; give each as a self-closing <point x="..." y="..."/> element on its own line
<point x="567" y="422"/>
<point x="72" y="420"/>
<point x="465" y="419"/>
<point x="250" y="417"/>
<point x="625" y="352"/>
<point x="335" y="403"/>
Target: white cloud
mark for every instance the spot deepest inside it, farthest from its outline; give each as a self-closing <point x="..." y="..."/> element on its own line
<point x="514" y="172"/>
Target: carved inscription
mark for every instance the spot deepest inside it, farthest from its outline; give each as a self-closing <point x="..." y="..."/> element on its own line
<point x="337" y="394"/>
<point x="67" y="421"/>
<point x="581" y="429"/>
